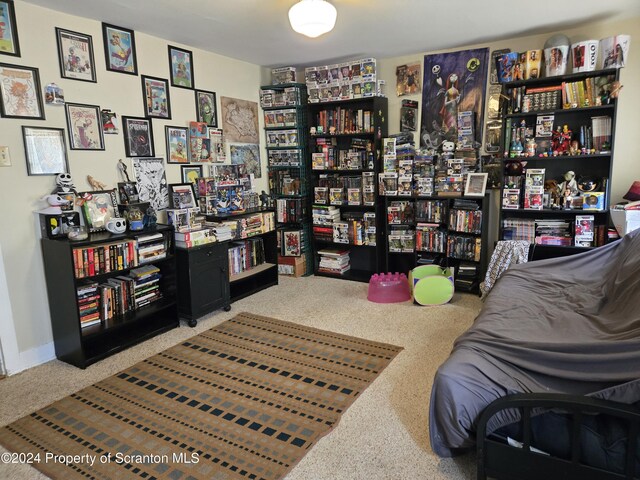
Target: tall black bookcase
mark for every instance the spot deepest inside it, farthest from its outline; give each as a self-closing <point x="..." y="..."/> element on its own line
<point x="580" y="101"/>
<point x="287" y="140"/>
<point x="342" y="126"/>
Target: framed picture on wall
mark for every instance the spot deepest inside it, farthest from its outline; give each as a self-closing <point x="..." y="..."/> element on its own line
<point x="9" y="44"/>
<point x="119" y="49"/>
<point x="177" y="144"/>
<point x="151" y="181"/>
<point x="206" y="110"/>
<point x="155" y="92"/>
<point x="85" y="127"/>
<point x="181" y="67"/>
<point x="191" y="174"/>
<point x="20" y="92"/>
<point x="138" y="137"/>
<point x="45" y="150"/>
<point x="476" y="184"/>
<point x="75" y="55"/>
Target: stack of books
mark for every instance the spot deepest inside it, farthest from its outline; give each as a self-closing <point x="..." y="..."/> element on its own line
<point x="246" y="255"/>
<point x="325" y="215"/>
<point x="334" y="261"/>
<point x="430" y="237"/>
<point x="88" y="304"/>
<point x="151" y="247"/>
<point x="146" y="285"/>
<point x="553" y="231"/>
<point x="467" y="278"/>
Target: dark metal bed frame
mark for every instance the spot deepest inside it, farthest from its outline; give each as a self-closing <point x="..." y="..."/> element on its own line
<point x="496" y="459"/>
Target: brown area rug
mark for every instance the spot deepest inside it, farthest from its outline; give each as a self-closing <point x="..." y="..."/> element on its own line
<point x="245" y="399"/>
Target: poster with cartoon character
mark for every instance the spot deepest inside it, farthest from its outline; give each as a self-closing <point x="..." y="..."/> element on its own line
<point x="452" y="82"/>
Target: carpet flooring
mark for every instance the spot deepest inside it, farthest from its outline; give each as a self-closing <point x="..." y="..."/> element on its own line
<point x="383" y="435"/>
<point x="245" y="399"/>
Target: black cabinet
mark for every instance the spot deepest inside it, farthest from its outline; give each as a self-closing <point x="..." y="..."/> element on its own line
<point x="203" y="280"/>
<point x="73" y="267"/>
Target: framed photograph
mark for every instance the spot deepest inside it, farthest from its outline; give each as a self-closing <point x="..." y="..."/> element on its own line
<point x="75" y="54"/>
<point x="9" y="44"/>
<point x="191" y="174"/>
<point x="138" y="136"/>
<point x="45" y="150"/>
<point x="155" y="92"/>
<point x="182" y="195"/>
<point x="128" y="192"/>
<point x="98" y="208"/>
<point x="476" y="184"/>
<point x="85" y="126"/>
<point x="206" y="110"/>
<point x="151" y="181"/>
<point x="177" y="140"/>
<point x="119" y="49"/>
<point x="20" y="92"/>
<point x="181" y="67"/>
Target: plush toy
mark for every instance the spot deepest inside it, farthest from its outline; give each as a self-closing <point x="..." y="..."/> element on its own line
<point x="64" y="184"/>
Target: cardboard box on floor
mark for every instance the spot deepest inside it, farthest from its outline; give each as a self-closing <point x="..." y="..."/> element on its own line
<point x="294" y="266"/>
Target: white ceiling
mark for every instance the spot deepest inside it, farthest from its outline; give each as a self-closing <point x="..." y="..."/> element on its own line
<point x="258" y="31"/>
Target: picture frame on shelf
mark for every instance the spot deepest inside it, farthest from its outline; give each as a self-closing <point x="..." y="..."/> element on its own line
<point x="9" y="44"/>
<point x="182" y="195"/>
<point x="157" y="100"/>
<point x="177" y="144"/>
<point x="84" y="123"/>
<point x="206" y="109"/>
<point x="476" y="184"/>
<point x="128" y="192"/>
<point x="181" y="67"/>
<point x="45" y="150"/>
<point x="138" y="136"/>
<point x="75" y="55"/>
<point x="119" y="49"/>
<point x="191" y="174"/>
<point x="20" y="92"/>
<point x="98" y="208"/>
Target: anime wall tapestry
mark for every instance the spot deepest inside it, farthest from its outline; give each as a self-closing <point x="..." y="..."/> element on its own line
<point x="452" y="82"/>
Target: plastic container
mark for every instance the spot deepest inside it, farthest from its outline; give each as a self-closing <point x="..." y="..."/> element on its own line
<point x="388" y="288"/>
<point x="431" y="285"/>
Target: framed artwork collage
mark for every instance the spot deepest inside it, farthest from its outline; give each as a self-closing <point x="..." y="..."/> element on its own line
<point x="46" y="147"/>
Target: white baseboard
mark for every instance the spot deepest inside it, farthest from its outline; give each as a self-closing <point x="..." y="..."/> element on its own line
<point x="34" y="357"/>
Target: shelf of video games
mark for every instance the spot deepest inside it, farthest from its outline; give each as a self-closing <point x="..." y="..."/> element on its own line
<point x="286" y="131"/>
<point x="428" y="220"/>
<point x="558" y="139"/>
<point x="345" y="158"/>
<point x="109" y="292"/>
<point x="231" y="212"/>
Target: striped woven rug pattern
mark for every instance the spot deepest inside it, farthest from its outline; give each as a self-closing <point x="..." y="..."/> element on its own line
<point x="244" y="400"/>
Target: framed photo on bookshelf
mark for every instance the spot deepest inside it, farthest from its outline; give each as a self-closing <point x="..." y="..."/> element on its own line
<point x="182" y="195"/>
<point x="138" y="137"/>
<point x="181" y="67"/>
<point x="119" y="49"/>
<point x="177" y="143"/>
<point x="206" y="110"/>
<point x="45" y="150"/>
<point x="157" y="102"/>
<point x="476" y="184"/>
<point x="85" y="126"/>
<point x="9" y="44"/>
<point x="98" y="208"/>
<point x="20" y="92"/>
<point x="191" y="174"/>
<point x="75" y="55"/>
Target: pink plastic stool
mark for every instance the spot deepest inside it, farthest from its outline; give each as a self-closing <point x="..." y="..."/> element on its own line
<point x="388" y="288"/>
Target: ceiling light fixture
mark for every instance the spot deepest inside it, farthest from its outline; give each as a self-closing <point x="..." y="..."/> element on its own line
<point x="312" y="17"/>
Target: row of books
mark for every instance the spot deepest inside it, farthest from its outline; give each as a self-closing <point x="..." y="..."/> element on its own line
<point x="334" y="261"/>
<point x="342" y="120"/>
<point x="433" y="238"/>
<point x="245" y="255"/>
<point x="284" y="158"/>
<point x="285" y="182"/>
<point x="430" y="237"/>
<point x="579" y="231"/>
<point x="464" y="247"/>
<point x="235" y="228"/>
<point x="151" y="247"/>
<point x="291" y="210"/>
<point x="467" y="221"/>
<point x="328" y="156"/>
<point x="105" y="258"/>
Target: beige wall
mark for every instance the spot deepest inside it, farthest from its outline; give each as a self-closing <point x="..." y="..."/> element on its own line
<point x="626" y="166"/>
<point x="118" y="92"/>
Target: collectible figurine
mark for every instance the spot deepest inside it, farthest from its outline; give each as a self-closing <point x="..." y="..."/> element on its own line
<point x="150" y="218"/>
<point x="264" y="200"/>
<point x="568" y="198"/>
<point x="95" y="184"/>
<point x="569" y="183"/>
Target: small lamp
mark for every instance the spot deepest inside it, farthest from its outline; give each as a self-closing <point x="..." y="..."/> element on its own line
<point x="312" y="17"/>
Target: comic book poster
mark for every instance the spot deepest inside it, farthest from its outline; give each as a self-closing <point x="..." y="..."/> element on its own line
<point x="452" y="82"/>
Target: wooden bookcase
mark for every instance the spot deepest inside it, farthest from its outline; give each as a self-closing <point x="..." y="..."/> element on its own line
<point x="84" y="346"/>
<point x="365" y="260"/>
<point x="587" y="164"/>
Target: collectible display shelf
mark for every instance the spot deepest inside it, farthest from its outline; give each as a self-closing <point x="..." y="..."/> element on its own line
<point x="83" y="346"/>
<point x="365" y="260"/>
<point x="579" y="119"/>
